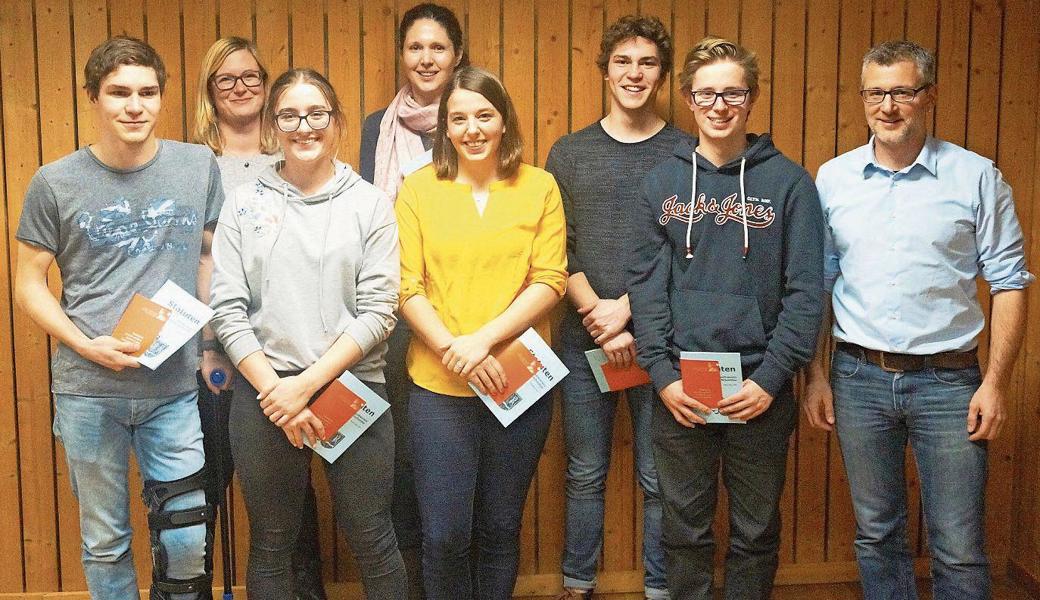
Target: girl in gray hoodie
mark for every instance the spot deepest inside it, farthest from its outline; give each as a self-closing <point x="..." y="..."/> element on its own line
<point x="306" y="283"/>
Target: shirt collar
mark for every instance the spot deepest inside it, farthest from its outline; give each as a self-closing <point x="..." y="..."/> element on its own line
<point x="928" y="158"/>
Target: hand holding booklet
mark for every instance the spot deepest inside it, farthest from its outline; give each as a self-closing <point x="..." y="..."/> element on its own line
<point x="531" y="369"/>
<point x="346" y="408"/>
<point x="610" y="378"/>
<point x="708" y="377"/>
<point x="163" y="324"/>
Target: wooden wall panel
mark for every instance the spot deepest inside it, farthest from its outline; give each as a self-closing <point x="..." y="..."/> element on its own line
<point x="545" y="50"/>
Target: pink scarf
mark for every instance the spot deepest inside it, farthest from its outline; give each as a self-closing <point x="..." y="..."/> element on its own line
<point x="399" y="138"/>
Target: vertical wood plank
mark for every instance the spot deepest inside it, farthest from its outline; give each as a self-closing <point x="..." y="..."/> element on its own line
<point x="90" y="24"/>
<point x="662" y="9"/>
<point x="484" y="41"/>
<point x="952" y="76"/>
<point x="820" y="140"/>
<point x="308" y="36"/>
<point x="889" y="19"/>
<point x="344" y="42"/>
<point x="789" y="68"/>
<point x="200" y="31"/>
<point x="378" y="50"/>
<point x="32" y="394"/>
<point x="11" y="569"/>
<point x="126" y="17"/>
<point x="587" y="100"/>
<point x="723" y="19"/>
<point x="756" y="34"/>
<point x="518" y="70"/>
<point x="236" y="18"/>
<point x="690" y="27"/>
<point x="272" y="34"/>
<point x="164" y="34"/>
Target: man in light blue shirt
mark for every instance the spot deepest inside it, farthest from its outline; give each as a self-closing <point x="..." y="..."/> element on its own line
<point x="912" y="221"/>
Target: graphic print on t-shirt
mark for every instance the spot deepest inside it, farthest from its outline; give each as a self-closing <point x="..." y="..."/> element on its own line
<point x="759" y="212"/>
<point x="161" y="224"/>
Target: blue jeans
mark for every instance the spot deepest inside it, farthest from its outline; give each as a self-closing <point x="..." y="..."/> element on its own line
<point x="472" y="475"/>
<point x="588" y="426"/>
<point x="167" y="440"/>
<point x="876" y="413"/>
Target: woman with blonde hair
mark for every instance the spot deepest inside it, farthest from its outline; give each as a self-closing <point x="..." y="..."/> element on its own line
<point x="483" y="258"/>
<point x="229" y="118"/>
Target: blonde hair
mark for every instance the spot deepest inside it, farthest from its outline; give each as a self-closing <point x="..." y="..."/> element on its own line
<point x="206" y="130"/>
<point x="714" y="49"/>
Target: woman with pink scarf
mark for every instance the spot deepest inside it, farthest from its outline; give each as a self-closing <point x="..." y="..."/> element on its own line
<point x="396" y="141"/>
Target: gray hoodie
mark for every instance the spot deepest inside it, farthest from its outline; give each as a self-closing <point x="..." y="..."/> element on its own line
<point x="295" y="272"/>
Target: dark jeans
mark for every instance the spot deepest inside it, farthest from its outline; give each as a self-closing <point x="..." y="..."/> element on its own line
<point x="306" y="558"/>
<point x="472" y="477"/>
<point x="753" y="459"/>
<point x="273" y="475"/>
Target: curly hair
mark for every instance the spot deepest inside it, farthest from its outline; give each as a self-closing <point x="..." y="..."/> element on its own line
<point x="633" y="26"/>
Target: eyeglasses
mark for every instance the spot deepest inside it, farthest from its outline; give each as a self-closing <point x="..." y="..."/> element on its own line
<point x="730" y="97"/>
<point x="228" y="81"/>
<point x="901" y="95"/>
<point x="317" y="119"/>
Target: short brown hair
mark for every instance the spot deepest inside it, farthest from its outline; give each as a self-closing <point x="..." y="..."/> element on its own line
<point x="714" y="49"/>
<point x="633" y="26"/>
<point x="895" y="51"/>
<point x="474" y="79"/>
<point x="310" y="76"/>
<point x="205" y="129"/>
<point x="116" y="52"/>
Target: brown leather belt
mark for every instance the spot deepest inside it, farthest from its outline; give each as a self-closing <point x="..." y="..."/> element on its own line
<point x="912" y="362"/>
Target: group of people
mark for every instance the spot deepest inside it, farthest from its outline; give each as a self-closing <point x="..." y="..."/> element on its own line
<point x="445" y="246"/>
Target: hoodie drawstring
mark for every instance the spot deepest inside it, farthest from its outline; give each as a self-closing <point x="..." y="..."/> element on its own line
<point x="693" y="200"/>
<point x="321" y="266"/>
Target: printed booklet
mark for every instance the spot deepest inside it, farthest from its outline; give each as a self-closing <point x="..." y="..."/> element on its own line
<point x="531" y="368"/>
<point x="346" y="407"/>
<point x="708" y="377"/>
<point x="140" y="324"/>
<point x="611" y="378"/>
<point x="187" y="317"/>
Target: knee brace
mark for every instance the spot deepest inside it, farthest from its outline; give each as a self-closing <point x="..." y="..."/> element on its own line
<point x="156" y="494"/>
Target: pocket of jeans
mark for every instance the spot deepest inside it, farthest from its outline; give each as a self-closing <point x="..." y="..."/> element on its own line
<point x="845" y="365"/>
<point x="958" y="377"/>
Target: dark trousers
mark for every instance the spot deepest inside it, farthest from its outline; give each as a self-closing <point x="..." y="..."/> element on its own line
<point x="274" y="474"/>
<point x="753" y="459"/>
<point x="472" y="476"/>
<point x="306" y="558"/>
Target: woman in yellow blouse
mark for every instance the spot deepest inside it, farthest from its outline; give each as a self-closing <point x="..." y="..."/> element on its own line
<point x="483" y="258"/>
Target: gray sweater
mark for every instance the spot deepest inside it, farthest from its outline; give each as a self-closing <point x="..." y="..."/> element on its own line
<point x="295" y="272"/>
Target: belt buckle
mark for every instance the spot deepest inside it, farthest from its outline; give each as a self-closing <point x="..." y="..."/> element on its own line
<point x="884" y="366"/>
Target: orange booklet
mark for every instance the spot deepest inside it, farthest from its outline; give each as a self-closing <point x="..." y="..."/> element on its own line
<point x="611" y="378"/>
<point x="141" y="322"/>
<point x="346" y="407"/>
<point x="520" y="365"/>
<point x="708" y="377"/>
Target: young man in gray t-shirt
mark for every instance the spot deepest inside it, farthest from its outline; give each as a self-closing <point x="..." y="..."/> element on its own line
<point x="121" y="217"/>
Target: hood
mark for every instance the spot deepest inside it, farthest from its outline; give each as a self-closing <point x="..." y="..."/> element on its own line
<point x="760" y="149"/>
<point x="343" y="179"/>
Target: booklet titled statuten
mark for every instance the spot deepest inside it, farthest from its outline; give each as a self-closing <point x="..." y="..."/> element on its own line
<point x="187" y="316"/>
<point x="708" y="377"/>
<point x="531" y="368"/>
<point x="346" y="407"/>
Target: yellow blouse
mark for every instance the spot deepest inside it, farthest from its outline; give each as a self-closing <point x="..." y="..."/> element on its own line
<point x="471" y="267"/>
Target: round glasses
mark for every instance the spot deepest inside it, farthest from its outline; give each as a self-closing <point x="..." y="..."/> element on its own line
<point x="901" y="95"/>
<point x="228" y="81"/>
<point x="730" y="97"/>
<point x="289" y="122"/>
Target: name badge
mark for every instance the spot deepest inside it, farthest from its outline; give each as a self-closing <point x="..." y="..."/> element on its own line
<point x="417" y="163"/>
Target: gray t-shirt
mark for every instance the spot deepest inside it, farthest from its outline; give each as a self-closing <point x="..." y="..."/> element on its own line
<point x="116" y="232"/>
<point x="236" y="170"/>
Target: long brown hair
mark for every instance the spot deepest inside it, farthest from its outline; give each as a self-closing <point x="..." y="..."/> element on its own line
<point x="310" y="76"/>
<point x="474" y="79"/>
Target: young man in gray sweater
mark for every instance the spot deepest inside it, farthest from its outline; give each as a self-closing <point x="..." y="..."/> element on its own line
<point x="599" y="170"/>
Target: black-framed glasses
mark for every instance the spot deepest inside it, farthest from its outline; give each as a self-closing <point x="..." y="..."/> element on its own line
<point x="902" y="95"/>
<point x="289" y="122"/>
<point x="730" y="97"/>
<point x="228" y="81"/>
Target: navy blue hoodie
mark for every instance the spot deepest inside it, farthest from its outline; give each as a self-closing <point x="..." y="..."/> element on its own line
<point x="732" y="280"/>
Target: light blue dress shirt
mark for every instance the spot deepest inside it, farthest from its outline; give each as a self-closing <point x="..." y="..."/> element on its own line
<point x="904" y="248"/>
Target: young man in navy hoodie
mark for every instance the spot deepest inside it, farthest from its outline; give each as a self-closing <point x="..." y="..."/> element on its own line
<point x="726" y="257"/>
